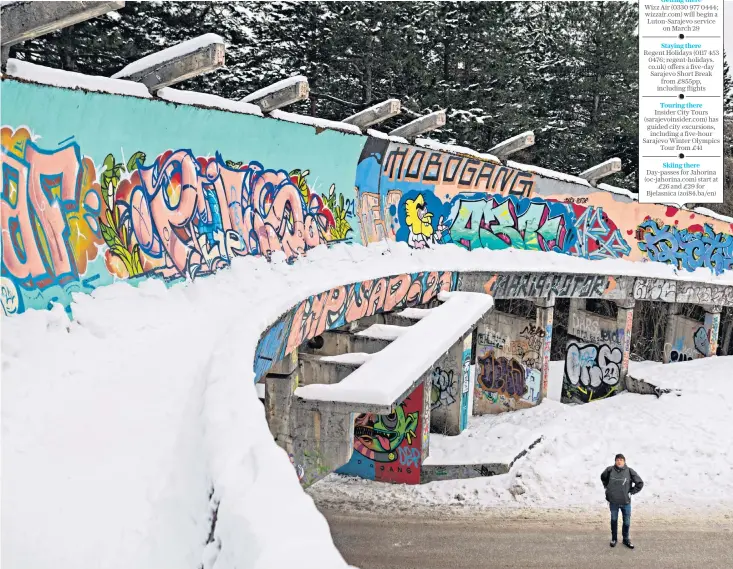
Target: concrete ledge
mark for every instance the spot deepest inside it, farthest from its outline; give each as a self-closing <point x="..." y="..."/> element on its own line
<point x="386" y="379"/>
<point x="435" y="472"/>
<point x="325" y="369"/>
<point x="643" y="387"/>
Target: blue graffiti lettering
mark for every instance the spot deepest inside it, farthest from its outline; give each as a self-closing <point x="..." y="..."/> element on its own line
<point x="686" y="249"/>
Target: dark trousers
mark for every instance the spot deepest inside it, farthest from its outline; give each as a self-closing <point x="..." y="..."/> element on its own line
<point x="626" y="515"/>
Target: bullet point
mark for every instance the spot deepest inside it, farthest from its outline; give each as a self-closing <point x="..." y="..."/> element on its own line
<point x="682" y="36"/>
<point x="682" y="95"/>
<point x="682" y="155"/>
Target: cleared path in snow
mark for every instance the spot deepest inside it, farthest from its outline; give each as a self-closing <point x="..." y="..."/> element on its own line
<point x="390" y="541"/>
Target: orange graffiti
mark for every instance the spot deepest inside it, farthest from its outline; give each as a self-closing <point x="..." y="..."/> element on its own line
<point x="50" y="210"/>
<point x="489" y="285"/>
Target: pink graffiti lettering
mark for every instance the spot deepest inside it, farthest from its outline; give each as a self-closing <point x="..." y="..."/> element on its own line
<point x="48" y="216"/>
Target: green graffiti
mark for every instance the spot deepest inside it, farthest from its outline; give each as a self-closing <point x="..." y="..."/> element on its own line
<point x="484" y="224"/>
<point x="378" y="436"/>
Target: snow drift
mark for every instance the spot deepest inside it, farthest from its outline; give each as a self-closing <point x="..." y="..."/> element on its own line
<point x="129" y="429"/>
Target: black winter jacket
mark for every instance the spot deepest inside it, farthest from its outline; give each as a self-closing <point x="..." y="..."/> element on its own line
<point x="621" y="484"/>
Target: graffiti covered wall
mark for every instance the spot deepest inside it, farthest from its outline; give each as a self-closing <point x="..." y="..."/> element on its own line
<point x="689" y="339"/>
<point x="126" y="188"/>
<point x="593" y="357"/>
<point x="344" y="304"/>
<point x="98" y="188"/>
<point x="389" y="448"/>
<point x="426" y="197"/>
<point x="509" y="352"/>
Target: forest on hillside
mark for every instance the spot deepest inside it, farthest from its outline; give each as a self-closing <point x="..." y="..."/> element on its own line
<point x="569" y="71"/>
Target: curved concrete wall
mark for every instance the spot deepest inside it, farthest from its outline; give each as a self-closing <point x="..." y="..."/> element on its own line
<point x="99" y="187"/>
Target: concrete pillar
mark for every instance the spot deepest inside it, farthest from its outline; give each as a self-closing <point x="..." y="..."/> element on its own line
<point x="594" y="354"/>
<point x="449" y="387"/>
<point x="577" y="304"/>
<point x="670" y="331"/>
<point x="545" y="313"/>
<point x="280" y="383"/>
<point x="322" y="439"/>
<point x="313" y="369"/>
<point x="426" y="418"/>
<point x="712" y="327"/>
<point x="508" y="363"/>
<point x="624" y="322"/>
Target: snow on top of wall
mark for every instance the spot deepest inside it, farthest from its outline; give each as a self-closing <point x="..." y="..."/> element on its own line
<point x="384" y="136"/>
<point x="435" y="145"/>
<point x="168" y="54"/>
<point x="354" y="358"/>
<point x="260" y="388"/>
<point x="389" y="374"/>
<point x="548" y="173"/>
<point x="71" y="80"/>
<point x="315" y="121"/>
<point x="500" y="444"/>
<point x="711" y="213"/>
<point x="274" y="87"/>
<point x="619" y="191"/>
<point x="415" y="313"/>
<point x="205" y="100"/>
<point x="383" y="331"/>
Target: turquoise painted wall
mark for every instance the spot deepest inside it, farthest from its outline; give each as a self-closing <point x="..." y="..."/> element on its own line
<point x="98" y="187"/>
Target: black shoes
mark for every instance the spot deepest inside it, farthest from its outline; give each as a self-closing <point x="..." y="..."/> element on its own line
<point x="613" y="543"/>
<point x="628" y="544"/>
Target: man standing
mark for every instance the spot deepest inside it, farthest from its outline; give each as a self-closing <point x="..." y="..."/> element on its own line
<point x="620" y="483"/>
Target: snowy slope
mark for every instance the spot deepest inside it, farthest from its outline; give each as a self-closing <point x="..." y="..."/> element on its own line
<point x="681" y="446"/>
<point x="117" y="426"/>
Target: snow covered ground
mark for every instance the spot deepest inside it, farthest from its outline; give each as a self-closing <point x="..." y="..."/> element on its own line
<point x="682" y="446"/>
<point x="117" y="426"/>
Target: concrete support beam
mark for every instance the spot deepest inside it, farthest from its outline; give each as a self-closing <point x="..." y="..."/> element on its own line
<point x="22" y="21"/>
<point x="544" y="321"/>
<point x="286" y="366"/>
<point x="508" y="363"/>
<point x="316" y="369"/>
<point x="607" y="168"/>
<point x="375" y="114"/>
<point x="670" y="330"/>
<point x="514" y="144"/>
<point x="323" y="439"/>
<point x="368" y="345"/>
<point x="712" y="328"/>
<point x="176" y="64"/>
<point x="278" y="403"/>
<point x="335" y="343"/>
<point x="280" y="94"/>
<point x="420" y="126"/>
<point x="625" y="322"/>
<point x="332" y="343"/>
<point x="450" y="389"/>
<point x="577" y="304"/>
<point x="597" y="353"/>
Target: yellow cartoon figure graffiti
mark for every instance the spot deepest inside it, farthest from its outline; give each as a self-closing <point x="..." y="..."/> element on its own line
<point x="420" y="223"/>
